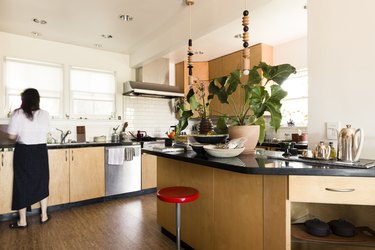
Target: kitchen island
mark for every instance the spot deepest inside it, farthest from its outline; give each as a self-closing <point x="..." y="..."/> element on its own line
<point x="248" y="202"/>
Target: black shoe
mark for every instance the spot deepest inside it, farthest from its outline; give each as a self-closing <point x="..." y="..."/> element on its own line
<point x="15" y="225"/>
<point x="44" y="222"/>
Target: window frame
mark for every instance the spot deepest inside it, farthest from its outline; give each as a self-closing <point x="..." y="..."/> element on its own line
<point x="300" y="73"/>
<point x="72" y="99"/>
<point x="9" y="91"/>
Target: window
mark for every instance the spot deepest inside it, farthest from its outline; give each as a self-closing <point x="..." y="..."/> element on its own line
<point x="92" y="93"/>
<point x="47" y="78"/>
<point x="295" y="105"/>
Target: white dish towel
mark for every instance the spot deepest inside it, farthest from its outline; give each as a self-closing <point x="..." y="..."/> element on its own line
<point x="116" y="156"/>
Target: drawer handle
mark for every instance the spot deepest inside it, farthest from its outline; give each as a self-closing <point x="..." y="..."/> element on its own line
<point x="341" y="189"/>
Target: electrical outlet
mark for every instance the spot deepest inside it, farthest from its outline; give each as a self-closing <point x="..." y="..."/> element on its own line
<point x="331" y="130"/>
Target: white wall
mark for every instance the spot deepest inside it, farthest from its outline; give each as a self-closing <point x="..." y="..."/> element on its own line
<point x="293" y="52"/>
<point x="154" y="115"/>
<point x="341" y="52"/>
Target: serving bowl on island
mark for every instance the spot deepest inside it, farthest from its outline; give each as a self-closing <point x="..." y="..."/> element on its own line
<point x="209" y="139"/>
<point x="216" y="151"/>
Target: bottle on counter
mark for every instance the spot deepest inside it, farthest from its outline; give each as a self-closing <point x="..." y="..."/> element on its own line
<point x="332" y="154"/>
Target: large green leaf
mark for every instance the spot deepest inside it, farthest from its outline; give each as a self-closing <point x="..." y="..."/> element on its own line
<point x="254" y="77"/>
<point x="221" y="125"/>
<point x="233" y="82"/>
<point x="259" y="97"/>
<point x="262" y="128"/>
<point x="277" y="73"/>
<point x="183" y="121"/>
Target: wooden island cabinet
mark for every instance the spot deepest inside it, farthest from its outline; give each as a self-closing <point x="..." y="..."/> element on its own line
<point x="149" y="168"/>
<point x="249" y="203"/>
<point x="230" y="212"/>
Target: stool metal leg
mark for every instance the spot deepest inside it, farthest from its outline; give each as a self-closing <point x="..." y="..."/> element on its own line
<point x="178" y="225"/>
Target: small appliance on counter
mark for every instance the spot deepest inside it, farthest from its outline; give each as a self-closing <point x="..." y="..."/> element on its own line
<point x="115" y="137"/>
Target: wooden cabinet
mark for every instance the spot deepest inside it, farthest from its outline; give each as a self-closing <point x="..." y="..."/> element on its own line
<point x="224" y="65"/>
<point x="336" y="190"/>
<point x="59" y="162"/>
<point x="149" y="167"/>
<point x="234" y="210"/>
<point x="87" y="175"/>
<point x="76" y="174"/>
<point x="329" y="198"/>
<point x="6" y="182"/>
<point x="200" y="72"/>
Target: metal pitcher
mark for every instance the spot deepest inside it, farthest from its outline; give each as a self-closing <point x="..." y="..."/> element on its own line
<point x="349" y="145"/>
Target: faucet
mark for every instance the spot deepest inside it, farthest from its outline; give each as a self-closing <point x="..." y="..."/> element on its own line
<point x="63" y="135"/>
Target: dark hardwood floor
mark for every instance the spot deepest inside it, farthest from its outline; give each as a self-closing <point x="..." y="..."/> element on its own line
<point x="126" y="223"/>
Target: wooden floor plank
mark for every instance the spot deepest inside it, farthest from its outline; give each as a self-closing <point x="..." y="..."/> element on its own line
<point x="127" y="223"/>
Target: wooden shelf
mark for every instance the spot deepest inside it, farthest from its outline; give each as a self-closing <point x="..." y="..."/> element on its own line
<point x="364" y="237"/>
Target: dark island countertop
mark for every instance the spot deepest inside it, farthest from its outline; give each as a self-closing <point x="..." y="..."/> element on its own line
<point x="250" y="164"/>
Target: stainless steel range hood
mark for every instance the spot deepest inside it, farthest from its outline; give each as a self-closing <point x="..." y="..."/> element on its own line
<point x="146" y="89"/>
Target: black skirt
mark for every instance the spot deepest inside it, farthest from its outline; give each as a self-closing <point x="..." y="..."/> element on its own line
<point x="31" y="175"/>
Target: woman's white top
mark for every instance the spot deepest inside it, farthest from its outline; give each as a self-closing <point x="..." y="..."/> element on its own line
<point x="30" y="131"/>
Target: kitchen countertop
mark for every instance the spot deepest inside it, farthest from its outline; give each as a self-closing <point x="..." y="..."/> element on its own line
<point x="5" y="147"/>
<point x="249" y="164"/>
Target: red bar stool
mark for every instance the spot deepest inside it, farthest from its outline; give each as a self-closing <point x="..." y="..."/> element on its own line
<point x="178" y="195"/>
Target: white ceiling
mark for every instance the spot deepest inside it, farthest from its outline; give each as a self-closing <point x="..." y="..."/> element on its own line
<point x="159" y="28"/>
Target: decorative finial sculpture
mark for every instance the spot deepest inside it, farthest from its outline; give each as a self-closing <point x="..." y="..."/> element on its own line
<point x="245" y="39"/>
<point x="190" y="46"/>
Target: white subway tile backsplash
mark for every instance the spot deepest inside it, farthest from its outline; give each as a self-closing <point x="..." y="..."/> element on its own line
<point x="153" y="115"/>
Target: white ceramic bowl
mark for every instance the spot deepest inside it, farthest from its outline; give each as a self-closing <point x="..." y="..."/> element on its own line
<point x="222" y="152"/>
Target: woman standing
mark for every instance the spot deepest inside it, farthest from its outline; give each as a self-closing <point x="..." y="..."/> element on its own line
<point x="29" y="126"/>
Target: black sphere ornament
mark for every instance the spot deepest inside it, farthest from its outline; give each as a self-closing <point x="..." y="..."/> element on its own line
<point x="245" y="12"/>
<point x="245" y="28"/>
<point x="245" y="44"/>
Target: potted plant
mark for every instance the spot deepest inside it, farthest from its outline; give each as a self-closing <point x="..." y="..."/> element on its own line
<point x="256" y="97"/>
<point x="196" y="101"/>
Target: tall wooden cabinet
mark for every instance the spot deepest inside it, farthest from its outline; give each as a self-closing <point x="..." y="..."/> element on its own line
<point x="6" y="181"/>
<point x="200" y="72"/>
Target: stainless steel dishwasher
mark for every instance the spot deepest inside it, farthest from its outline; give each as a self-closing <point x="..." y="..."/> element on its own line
<point x="122" y="169"/>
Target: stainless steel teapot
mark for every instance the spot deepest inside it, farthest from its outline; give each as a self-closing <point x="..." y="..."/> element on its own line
<point x="350" y="143"/>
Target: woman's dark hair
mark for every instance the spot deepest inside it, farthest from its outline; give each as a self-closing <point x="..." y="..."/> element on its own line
<point x="30" y="102"/>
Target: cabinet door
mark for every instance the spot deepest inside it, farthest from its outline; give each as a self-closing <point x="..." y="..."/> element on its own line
<point x="215" y="68"/>
<point x="86" y="173"/>
<point x="232" y="62"/>
<point x="6" y="182"/>
<point x="149" y="166"/>
<point x="58" y="176"/>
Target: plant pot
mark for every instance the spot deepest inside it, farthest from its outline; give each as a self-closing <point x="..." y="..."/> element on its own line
<point x="250" y="132"/>
<point x="205" y="126"/>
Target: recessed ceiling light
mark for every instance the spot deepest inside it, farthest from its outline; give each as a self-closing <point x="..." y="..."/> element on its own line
<point x="41" y="21"/>
<point x="107" y="36"/>
<point x="126" y="18"/>
<point x="34" y="33"/>
<point x="98" y="45"/>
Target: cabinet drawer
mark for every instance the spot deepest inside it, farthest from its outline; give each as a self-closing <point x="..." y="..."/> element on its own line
<point x="337" y="190"/>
